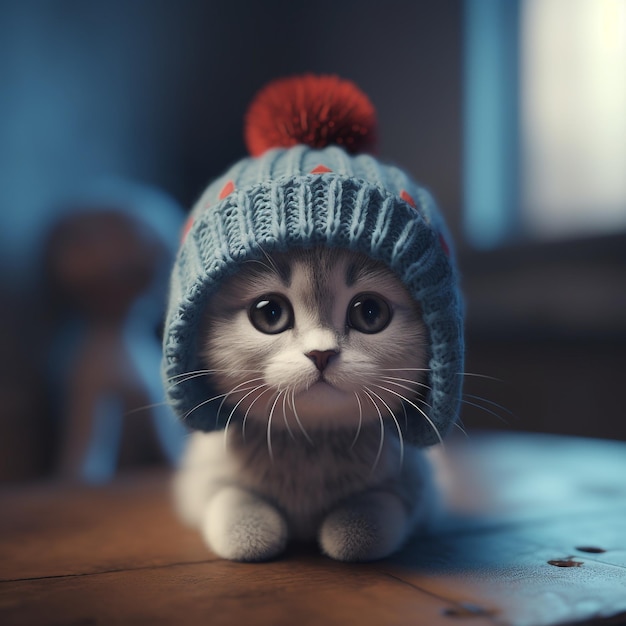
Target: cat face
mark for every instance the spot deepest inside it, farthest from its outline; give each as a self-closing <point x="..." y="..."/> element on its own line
<point x="315" y="338"/>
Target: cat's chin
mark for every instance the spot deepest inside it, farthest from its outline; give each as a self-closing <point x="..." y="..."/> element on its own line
<point x="323" y="403"/>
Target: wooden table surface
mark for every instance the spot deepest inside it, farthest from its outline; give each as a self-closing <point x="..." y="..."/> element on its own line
<point x="537" y="536"/>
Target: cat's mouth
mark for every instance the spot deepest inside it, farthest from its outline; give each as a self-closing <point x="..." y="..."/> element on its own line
<point x="323" y="401"/>
<point x="321" y="383"/>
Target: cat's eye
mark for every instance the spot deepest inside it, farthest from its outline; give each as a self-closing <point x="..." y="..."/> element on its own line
<point x="271" y="314"/>
<point x="369" y="313"/>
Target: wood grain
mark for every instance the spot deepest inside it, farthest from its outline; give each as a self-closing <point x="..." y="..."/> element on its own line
<point x="117" y="554"/>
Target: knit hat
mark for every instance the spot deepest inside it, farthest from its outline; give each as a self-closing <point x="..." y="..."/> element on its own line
<point x="297" y="190"/>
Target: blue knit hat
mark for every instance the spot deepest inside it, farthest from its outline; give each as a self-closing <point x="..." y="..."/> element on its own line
<point x="300" y="197"/>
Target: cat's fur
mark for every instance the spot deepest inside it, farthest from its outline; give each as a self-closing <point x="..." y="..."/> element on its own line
<point x="309" y="451"/>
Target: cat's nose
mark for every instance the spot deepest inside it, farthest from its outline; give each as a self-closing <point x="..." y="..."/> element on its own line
<point x="321" y="357"/>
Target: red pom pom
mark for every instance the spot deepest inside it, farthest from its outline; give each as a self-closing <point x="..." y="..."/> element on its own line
<point x="312" y="110"/>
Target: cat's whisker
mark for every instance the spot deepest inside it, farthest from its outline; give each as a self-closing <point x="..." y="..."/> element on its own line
<point x="186" y="415"/>
<point x="486" y="401"/>
<point x="393" y="379"/>
<point x="192" y="373"/>
<point x="183" y="378"/>
<point x="382" y="432"/>
<point x="234" y="390"/>
<point x="258" y="262"/>
<point x="458" y="425"/>
<point x="234" y="410"/>
<point x="430" y="422"/>
<point x="203" y="403"/>
<point x="245" y="416"/>
<point x="404" y="369"/>
<point x="187" y="377"/>
<point x="486" y="410"/>
<point x="417" y="399"/>
<point x="285" y="397"/>
<point x="269" y="426"/>
<point x="393" y="417"/>
<point x="295" y="414"/>
<point x="147" y="407"/>
<point x="406" y="417"/>
<point x="498" y="380"/>
<point x="250" y="392"/>
<point x="358" y="429"/>
<point x="271" y="264"/>
<point x="225" y="436"/>
<point x="397" y="384"/>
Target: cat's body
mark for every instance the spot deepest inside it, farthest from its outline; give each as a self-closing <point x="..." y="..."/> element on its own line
<point x="311" y="355"/>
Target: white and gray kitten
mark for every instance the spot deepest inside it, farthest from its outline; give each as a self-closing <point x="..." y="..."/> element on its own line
<point x="311" y="353"/>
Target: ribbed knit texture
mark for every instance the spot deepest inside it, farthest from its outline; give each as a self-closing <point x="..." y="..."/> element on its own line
<point x="278" y="204"/>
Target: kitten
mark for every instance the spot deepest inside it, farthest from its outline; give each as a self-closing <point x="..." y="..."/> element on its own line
<point x="311" y="354"/>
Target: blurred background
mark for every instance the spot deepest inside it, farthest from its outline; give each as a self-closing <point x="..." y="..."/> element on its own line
<point x="512" y="113"/>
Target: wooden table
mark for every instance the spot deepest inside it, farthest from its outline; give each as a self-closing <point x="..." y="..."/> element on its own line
<point x="537" y="536"/>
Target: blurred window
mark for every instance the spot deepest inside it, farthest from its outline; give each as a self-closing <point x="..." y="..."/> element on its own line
<point x="545" y="139"/>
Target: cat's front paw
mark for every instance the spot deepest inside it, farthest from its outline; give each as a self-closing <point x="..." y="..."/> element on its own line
<point x="366" y="528"/>
<point x="240" y="526"/>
